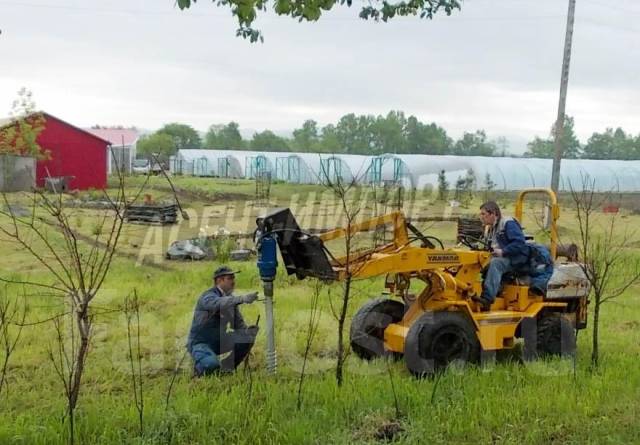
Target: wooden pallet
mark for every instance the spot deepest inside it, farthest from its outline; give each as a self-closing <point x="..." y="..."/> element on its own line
<point x="152" y="214"/>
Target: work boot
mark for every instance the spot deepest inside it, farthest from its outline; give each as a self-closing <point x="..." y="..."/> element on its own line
<point x="537" y="291"/>
<point x="485" y="303"/>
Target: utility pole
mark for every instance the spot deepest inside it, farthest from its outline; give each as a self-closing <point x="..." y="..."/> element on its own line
<point x="564" y="80"/>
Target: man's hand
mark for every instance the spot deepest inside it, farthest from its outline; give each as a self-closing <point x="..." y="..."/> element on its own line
<point x="250" y="298"/>
<point x="497" y="252"/>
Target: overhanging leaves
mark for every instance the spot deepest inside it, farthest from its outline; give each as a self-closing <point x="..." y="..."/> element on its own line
<point x="246" y="11"/>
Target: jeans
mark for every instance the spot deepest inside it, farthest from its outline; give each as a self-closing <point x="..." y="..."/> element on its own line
<point x="540" y="277"/>
<point x="207" y="361"/>
<point x="497" y="268"/>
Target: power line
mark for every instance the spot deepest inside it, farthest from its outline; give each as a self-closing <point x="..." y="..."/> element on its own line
<point x="614" y="7"/>
<point x="97" y="10"/>
<point x="593" y="22"/>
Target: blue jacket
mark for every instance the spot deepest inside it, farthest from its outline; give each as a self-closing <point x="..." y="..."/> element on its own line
<point x="213" y="315"/>
<point x="508" y="236"/>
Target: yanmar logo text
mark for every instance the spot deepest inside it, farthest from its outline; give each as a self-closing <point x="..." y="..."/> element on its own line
<point x="443" y="258"/>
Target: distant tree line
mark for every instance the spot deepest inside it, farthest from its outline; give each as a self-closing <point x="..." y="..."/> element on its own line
<point x="612" y="144"/>
<point x="393" y="133"/>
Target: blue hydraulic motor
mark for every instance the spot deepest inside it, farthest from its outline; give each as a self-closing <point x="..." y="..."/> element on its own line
<point x="267" y="266"/>
<point x="267" y="257"/>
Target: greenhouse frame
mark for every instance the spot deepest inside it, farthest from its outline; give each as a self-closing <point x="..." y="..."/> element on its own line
<point x="413" y="170"/>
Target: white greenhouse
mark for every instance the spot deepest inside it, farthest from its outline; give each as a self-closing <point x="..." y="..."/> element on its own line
<point x="416" y="171"/>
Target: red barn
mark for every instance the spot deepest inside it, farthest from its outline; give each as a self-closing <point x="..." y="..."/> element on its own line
<point x="73" y="152"/>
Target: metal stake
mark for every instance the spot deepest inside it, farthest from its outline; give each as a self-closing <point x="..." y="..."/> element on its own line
<point x="272" y="359"/>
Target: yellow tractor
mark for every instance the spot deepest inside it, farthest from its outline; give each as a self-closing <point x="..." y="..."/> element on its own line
<point x="439" y="323"/>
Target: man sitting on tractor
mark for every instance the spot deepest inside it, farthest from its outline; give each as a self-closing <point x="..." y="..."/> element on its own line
<point x="215" y="311"/>
<point x="510" y="251"/>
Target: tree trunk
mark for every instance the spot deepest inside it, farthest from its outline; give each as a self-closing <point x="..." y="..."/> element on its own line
<point x="3" y="372"/>
<point x="594" y="351"/>
<point x="71" y="426"/>
<point x="341" y="322"/>
<point x="84" y="327"/>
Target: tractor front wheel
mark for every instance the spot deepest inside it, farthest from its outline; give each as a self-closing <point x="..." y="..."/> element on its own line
<point x="368" y="325"/>
<point x="438" y="339"/>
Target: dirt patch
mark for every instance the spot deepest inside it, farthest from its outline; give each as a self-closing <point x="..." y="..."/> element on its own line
<point x="91" y="241"/>
<point x="200" y="195"/>
<point x="632" y="325"/>
<point x="633" y="244"/>
<point x="376" y="427"/>
<point x="388" y="431"/>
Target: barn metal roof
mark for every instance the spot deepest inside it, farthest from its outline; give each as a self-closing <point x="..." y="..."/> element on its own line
<point x="116" y="136"/>
<point x="6" y="122"/>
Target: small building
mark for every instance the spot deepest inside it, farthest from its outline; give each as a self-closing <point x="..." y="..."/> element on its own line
<point x="123" y="147"/>
<point x="73" y="152"/>
<point x="17" y="173"/>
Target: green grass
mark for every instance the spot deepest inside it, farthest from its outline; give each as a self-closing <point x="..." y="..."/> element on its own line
<point x="501" y="401"/>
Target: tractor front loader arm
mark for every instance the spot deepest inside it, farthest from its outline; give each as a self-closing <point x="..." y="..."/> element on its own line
<point x="306" y="255"/>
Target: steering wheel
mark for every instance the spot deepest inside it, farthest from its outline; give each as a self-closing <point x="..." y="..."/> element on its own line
<point x="473" y="243"/>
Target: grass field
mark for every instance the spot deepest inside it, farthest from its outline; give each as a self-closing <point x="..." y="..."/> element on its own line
<point x="502" y="401"/>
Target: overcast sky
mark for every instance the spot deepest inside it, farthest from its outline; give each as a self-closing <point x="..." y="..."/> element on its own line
<point x="493" y="65"/>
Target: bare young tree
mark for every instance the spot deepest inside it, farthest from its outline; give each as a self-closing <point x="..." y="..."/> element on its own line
<point x="312" y="329"/>
<point x="64" y="355"/>
<point x="132" y="313"/>
<point x="605" y="258"/>
<point x="396" y="401"/>
<point x="12" y="316"/>
<point x="172" y="381"/>
<point x="350" y="211"/>
<point x="75" y="270"/>
<point x="348" y="196"/>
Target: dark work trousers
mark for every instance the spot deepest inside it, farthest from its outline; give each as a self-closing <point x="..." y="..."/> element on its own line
<point x="206" y="357"/>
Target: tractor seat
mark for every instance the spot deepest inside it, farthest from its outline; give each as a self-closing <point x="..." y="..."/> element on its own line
<point x="518" y="278"/>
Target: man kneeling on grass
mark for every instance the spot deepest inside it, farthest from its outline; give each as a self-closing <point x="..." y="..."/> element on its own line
<point x="216" y="311"/>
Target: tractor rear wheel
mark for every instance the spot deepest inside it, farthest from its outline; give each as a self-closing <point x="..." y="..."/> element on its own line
<point x="551" y="335"/>
<point x="369" y="323"/>
<point x="438" y="339"/>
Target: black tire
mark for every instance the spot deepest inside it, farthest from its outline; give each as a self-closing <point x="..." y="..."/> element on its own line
<point x="438" y="339"/>
<point x="369" y="323"/>
<point x="551" y="335"/>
